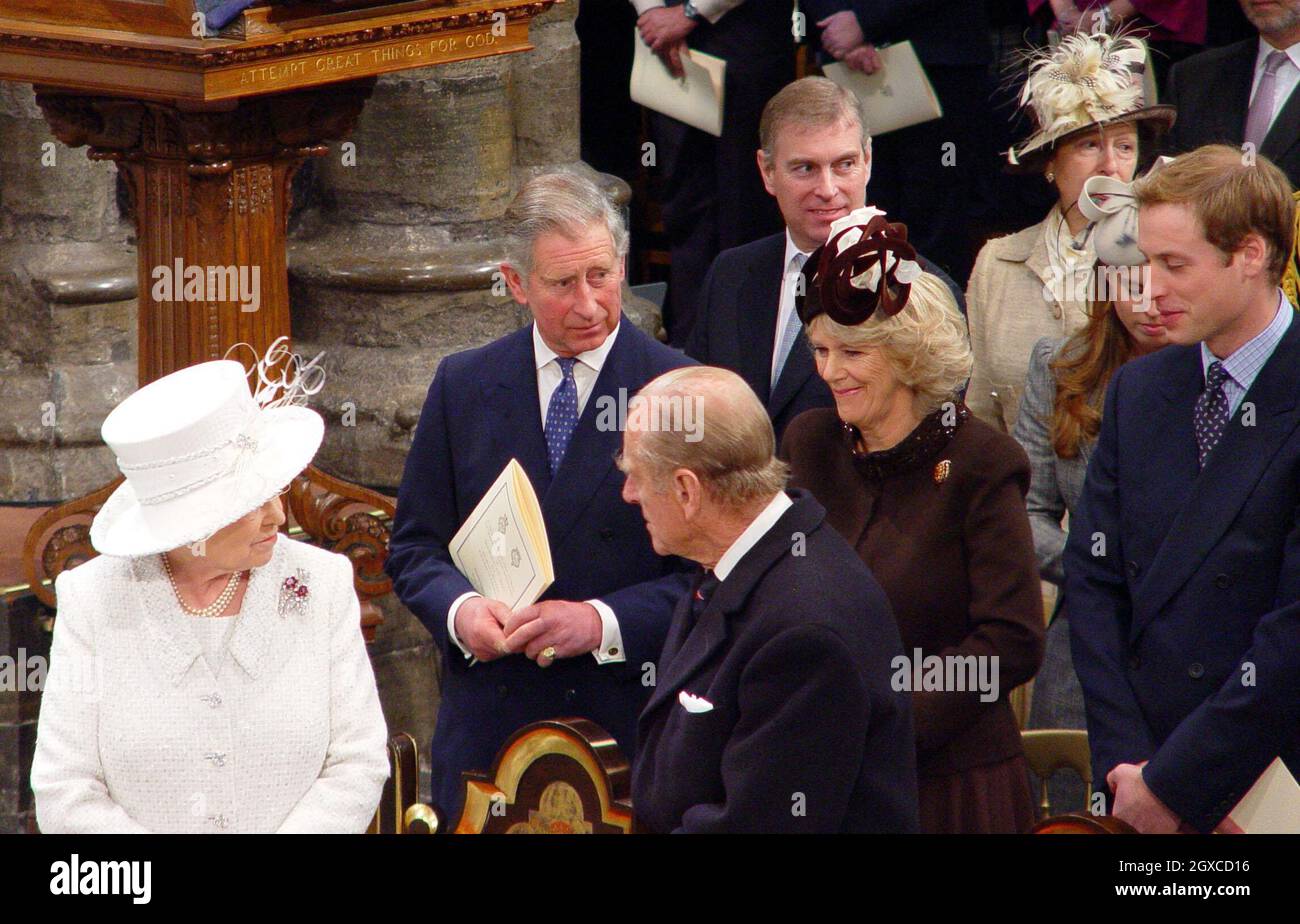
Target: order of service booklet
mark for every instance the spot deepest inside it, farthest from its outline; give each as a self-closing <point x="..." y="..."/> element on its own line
<point x="502" y="547"/>
<point x="1273" y="804"/>
<point x="896" y="96"/>
<point x="696" y="99"/>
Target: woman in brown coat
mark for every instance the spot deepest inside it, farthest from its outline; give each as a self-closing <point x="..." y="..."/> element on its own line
<point x="933" y="500"/>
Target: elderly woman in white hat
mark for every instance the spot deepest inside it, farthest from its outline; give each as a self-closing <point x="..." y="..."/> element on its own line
<point x="1087" y="97"/>
<point x="208" y="673"/>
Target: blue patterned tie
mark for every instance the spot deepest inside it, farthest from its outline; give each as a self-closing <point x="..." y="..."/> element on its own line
<point x="792" y="324"/>
<point x="561" y="415"/>
<point x="1211" y="417"/>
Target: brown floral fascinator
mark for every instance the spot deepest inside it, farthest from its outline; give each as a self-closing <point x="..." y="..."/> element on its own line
<point x="865" y="265"/>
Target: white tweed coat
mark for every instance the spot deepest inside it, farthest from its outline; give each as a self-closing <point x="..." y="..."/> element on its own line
<point x="136" y="734"/>
<point x="1009" y="310"/>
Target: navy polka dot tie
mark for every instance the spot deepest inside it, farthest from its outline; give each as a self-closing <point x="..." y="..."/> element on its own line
<point x="1211" y="417"/>
<point x="561" y="415"/>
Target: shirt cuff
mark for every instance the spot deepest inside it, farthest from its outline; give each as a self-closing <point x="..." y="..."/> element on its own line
<point x="451" y="620"/>
<point x="642" y="5"/>
<point x="713" y="10"/>
<point x="611" y="639"/>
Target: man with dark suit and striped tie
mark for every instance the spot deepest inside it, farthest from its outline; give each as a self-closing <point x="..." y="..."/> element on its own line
<point x="545" y="395"/>
<point x="815" y="160"/>
<point x="1182" y="565"/>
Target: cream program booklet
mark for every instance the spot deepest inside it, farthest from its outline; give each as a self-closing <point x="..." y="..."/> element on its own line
<point x="1273" y="804"/>
<point x="696" y="99"/>
<point x="502" y="548"/>
<point x="896" y="96"/>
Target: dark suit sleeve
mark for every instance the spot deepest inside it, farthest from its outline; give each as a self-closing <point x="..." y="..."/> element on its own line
<point x="1172" y="143"/>
<point x="1218" y="751"/>
<point x="644" y="611"/>
<point x="1101" y="609"/>
<point x="1006" y="603"/>
<point x="881" y="21"/>
<point x="697" y="344"/>
<point x="802" y="704"/>
<point x="418" y="559"/>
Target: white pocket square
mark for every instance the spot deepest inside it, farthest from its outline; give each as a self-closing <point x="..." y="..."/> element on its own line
<point x="692" y="703"/>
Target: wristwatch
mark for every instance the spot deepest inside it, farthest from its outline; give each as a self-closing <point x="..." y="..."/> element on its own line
<point x="690" y="12"/>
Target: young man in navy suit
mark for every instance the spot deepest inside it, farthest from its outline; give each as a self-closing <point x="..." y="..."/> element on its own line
<point x="1183" y="563"/>
<point x="773" y="708"/>
<point x="815" y="160"/>
<point x="548" y="396"/>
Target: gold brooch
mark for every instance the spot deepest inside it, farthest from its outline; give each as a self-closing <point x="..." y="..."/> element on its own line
<point x="941" y="471"/>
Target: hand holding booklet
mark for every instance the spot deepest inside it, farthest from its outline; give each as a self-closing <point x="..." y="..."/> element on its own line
<point x="502" y="546"/>
<point x="897" y="96"/>
<point x="696" y="98"/>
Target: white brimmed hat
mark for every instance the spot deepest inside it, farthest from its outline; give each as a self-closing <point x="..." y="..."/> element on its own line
<point x="199" y="450"/>
<point x="1084" y="82"/>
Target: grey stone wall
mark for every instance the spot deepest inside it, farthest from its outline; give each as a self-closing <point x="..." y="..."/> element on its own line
<point x="67" y="308"/>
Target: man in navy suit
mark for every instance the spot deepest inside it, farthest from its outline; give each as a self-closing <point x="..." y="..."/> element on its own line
<point x="815" y="160"/>
<point x="1244" y="92"/>
<point x="773" y="709"/>
<point x="1183" y="562"/>
<point x="548" y="396"/>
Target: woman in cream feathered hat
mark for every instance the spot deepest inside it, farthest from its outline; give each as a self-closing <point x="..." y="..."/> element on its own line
<point x="1087" y="99"/>
<point x="208" y="673"/>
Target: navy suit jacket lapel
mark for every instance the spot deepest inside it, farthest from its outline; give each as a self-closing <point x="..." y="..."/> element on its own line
<point x="757" y="303"/>
<point x="590" y="454"/>
<point x="512" y="400"/>
<point x="798" y="368"/>
<point x="689" y="648"/>
<point x="1234" y="96"/>
<point x="1225" y="484"/>
<point x="1284" y="133"/>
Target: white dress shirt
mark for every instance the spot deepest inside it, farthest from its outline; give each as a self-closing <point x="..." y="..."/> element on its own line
<point x="1288" y="75"/>
<point x="549" y="376"/>
<point x="756" y="530"/>
<point x="785" y="307"/>
<point x="712" y="10"/>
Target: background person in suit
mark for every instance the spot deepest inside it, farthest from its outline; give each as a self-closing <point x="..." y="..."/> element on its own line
<point x="933" y="501"/>
<point x="1183" y="565"/>
<point x="926" y="173"/>
<point x="535" y="395"/>
<point x="815" y="160"/>
<point x="773" y="710"/>
<point x="1057" y="426"/>
<point x="1244" y="92"/>
<point x="711" y="199"/>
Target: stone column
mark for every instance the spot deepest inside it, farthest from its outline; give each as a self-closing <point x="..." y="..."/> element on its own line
<point x="67" y="308"/>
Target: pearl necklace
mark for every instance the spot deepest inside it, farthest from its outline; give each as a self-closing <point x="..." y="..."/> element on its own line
<point x="216" y="607"/>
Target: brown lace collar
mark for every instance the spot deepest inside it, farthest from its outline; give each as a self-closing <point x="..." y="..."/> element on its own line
<point x="917" y="449"/>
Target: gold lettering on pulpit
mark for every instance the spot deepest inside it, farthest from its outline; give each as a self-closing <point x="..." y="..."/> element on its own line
<point x="337" y="62"/>
<point x="480" y="39"/>
<point x="269" y="73"/>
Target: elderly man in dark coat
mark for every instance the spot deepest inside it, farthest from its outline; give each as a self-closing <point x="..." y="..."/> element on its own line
<point x="773" y="709"/>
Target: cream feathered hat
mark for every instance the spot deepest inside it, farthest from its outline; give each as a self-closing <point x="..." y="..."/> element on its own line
<point x="200" y="450"/>
<point x="1086" y="81"/>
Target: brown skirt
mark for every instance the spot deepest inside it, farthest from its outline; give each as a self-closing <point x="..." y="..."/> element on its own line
<point x="992" y="799"/>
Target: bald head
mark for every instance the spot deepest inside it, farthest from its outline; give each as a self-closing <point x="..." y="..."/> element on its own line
<point x="709" y="421"/>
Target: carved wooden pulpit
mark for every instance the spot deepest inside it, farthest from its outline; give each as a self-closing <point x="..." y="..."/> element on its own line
<point x="207" y="127"/>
